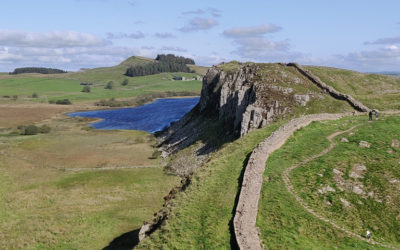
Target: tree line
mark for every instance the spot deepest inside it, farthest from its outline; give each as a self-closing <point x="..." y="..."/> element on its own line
<point x="164" y="63"/>
<point x="37" y="70"/>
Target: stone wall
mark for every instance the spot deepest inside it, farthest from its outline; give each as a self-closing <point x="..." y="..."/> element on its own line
<point x="333" y="92"/>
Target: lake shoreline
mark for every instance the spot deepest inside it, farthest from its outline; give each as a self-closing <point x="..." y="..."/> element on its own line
<point x="150" y="117"/>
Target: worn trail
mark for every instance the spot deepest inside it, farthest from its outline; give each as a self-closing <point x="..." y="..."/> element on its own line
<point x="246" y="231"/>
<point x="290" y="188"/>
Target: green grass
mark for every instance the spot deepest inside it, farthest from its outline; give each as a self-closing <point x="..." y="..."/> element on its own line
<point x="44" y="206"/>
<point x="201" y="215"/>
<point x="283" y="222"/>
<point x="379" y="212"/>
<point x="54" y="89"/>
<point x="67" y="86"/>
<point x="376" y="91"/>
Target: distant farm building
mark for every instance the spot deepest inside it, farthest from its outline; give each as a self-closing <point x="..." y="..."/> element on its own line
<point x="179" y="78"/>
<point x="86" y="83"/>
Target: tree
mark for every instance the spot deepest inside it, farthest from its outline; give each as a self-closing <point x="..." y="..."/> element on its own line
<point x="125" y="82"/>
<point x="109" y="85"/>
<point x="31" y="130"/>
<point x="44" y="129"/>
<point x="86" y="89"/>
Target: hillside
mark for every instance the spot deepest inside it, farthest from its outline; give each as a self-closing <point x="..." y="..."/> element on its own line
<point x="377" y="91"/>
<point x="67" y="85"/>
<point x="251" y="101"/>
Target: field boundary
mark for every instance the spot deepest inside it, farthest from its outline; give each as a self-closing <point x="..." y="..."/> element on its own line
<point x="333" y="92"/>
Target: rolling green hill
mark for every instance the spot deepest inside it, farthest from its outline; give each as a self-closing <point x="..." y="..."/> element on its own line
<point x="61" y="86"/>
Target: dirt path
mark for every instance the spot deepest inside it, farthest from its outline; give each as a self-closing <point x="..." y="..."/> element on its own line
<point x="246" y="231"/>
<point x="290" y="188"/>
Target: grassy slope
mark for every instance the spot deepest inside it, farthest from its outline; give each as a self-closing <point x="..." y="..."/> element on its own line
<point x="59" y="86"/>
<point x="374" y="90"/>
<point x="378" y="212"/>
<point x="202" y="214"/>
<point x="285" y="224"/>
<point x="42" y="207"/>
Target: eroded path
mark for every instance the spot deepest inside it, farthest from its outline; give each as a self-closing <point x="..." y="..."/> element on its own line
<point x="290" y="188"/>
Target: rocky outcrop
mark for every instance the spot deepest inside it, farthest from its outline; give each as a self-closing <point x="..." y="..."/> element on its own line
<point x="333" y="92"/>
<point x="240" y="100"/>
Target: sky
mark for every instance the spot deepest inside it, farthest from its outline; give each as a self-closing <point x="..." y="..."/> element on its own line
<point x="362" y="35"/>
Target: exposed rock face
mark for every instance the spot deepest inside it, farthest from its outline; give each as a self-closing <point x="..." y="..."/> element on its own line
<point x="245" y="99"/>
<point x="241" y="100"/>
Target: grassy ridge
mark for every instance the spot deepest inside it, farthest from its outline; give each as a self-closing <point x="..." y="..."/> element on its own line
<point x="376" y="91"/>
<point x="283" y="222"/>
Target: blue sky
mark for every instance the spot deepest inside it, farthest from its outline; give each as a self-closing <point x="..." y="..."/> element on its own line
<point x="72" y="34"/>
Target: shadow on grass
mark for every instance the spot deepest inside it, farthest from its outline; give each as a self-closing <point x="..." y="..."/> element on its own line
<point x="234" y="244"/>
<point x="126" y="241"/>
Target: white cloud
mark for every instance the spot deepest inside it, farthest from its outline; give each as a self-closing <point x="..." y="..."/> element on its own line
<point x="252" y="44"/>
<point x="386" y="40"/>
<point x="173" y="48"/>
<point x="55" y="39"/>
<point x="212" y="11"/>
<point x="199" y="23"/>
<point x="67" y="58"/>
<point x="194" y="12"/>
<point x="251" y="31"/>
<point x="121" y="35"/>
<point x="164" y="35"/>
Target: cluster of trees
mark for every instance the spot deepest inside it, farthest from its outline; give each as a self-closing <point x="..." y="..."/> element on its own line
<point x="165" y="63"/>
<point x="37" y="70"/>
<point x="174" y="59"/>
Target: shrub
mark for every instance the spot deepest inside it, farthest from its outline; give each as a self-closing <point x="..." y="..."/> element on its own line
<point x="31" y="130"/>
<point x="109" y="85"/>
<point x="35" y="95"/>
<point x="44" y="129"/>
<point x="63" y="102"/>
<point x="15" y="97"/>
<point x="86" y="89"/>
<point x="52" y="101"/>
<point x="125" y="82"/>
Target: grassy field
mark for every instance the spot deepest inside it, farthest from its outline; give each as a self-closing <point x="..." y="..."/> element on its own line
<point x="45" y="204"/>
<point x="78" y="188"/>
<point x="61" y="86"/>
<point x="202" y="215"/>
<point x="381" y="92"/>
<point x="285" y="224"/>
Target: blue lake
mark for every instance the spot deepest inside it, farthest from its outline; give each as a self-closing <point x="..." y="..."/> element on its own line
<point x="151" y="117"/>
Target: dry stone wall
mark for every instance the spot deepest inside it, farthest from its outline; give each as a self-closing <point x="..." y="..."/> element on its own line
<point x="333" y="92"/>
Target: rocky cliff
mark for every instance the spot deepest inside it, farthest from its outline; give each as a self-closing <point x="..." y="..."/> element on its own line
<point x="244" y="97"/>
